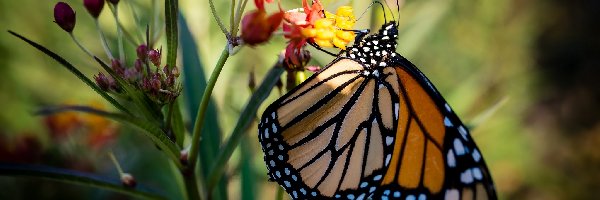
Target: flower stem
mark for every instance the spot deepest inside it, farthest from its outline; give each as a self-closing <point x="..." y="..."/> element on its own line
<point x="193" y="155"/>
<point x="191" y="186"/>
<point x="81" y="46"/>
<point x="103" y="40"/>
<point x="115" y="12"/>
<point x="114" y="160"/>
<point x="219" y="22"/>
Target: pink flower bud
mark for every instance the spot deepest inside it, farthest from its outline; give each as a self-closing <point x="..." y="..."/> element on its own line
<point x="94" y="7"/>
<point x="117" y="67"/>
<point x="142" y="52"/>
<point x="138" y="65"/>
<point x="102" y="81"/>
<point x="64" y="16"/>
<point x="154" y="56"/>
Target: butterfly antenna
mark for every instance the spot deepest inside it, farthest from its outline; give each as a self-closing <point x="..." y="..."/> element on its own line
<point x="390" y="9"/>
<point x="398" y="11"/>
<point x="368" y="7"/>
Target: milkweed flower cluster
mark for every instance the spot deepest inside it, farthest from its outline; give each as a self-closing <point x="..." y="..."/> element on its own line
<point x="146" y="73"/>
<point x="301" y="26"/>
<point x="334" y="29"/>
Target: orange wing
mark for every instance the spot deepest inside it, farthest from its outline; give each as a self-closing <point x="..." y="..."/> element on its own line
<point x="433" y="155"/>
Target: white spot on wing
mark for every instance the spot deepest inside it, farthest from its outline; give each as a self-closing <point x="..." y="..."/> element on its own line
<point x="387" y="159"/>
<point x="447" y="122"/>
<point x="477" y="173"/>
<point x="450" y="159"/>
<point x="467" y="176"/>
<point x="389" y="140"/>
<point x="396" y="107"/>
<point x="376" y="178"/>
<point x="476" y="155"/>
<point x="463" y="132"/>
<point x="459" y="147"/>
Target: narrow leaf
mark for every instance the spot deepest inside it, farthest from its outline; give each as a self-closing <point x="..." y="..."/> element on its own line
<point x="78" y="178"/>
<point x="194" y="80"/>
<point x="177" y="123"/>
<point x="171" y="12"/>
<point x="75" y="71"/>
<point x="246" y="117"/>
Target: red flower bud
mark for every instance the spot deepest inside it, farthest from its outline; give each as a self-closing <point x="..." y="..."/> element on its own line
<point x="138" y="65"/>
<point x="117" y="67"/>
<point x="102" y="81"/>
<point x="64" y="16"/>
<point x="94" y="7"/>
<point x="258" y="28"/>
<point x="154" y="56"/>
<point x="142" y="52"/>
<point x="296" y="57"/>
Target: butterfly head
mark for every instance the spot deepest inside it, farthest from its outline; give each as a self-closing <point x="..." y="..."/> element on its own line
<point x="376" y="50"/>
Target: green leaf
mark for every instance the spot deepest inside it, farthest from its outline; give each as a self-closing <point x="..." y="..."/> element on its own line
<point x="246" y="118"/>
<point x="154" y="132"/>
<point x="78" y="178"/>
<point x="171" y="12"/>
<point x="177" y="123"/>
<point x="75" y="71"/>
<point x="248" y="177"/>
<point x="194" y="80"/>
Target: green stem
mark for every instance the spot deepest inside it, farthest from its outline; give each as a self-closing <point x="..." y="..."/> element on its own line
<point x="117" y="165"/>
<point x="219" y="22"/>
<point x="81" y="46"/>
<point x="191" y="186"/>
<point x="103" y="40"/>
<point x="193" y="155"/>
<point x="119" y="33"/>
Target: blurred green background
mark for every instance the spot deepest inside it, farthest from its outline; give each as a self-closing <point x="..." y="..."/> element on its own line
<point x="522" y="73"/>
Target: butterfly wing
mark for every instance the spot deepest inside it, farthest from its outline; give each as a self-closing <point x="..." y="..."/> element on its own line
<point x="370" y="124"/>
<point x="434" y="156"/>
<point x="324" y="138"/>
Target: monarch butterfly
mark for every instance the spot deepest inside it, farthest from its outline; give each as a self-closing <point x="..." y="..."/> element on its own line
<point x="371" y="125"/>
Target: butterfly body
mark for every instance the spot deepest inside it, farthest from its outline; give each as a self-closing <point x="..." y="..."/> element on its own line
<point x="371" y="125"/>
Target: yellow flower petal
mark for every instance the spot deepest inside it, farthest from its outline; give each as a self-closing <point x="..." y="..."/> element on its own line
<point x="345" y="35"/>
<point x="325" y="34"/>
<point x="339" y="43"/>
<point x="345" y="11"/>
<point x="344" y="24"/>
<point x="323" y="43"/>
<point x="323" y="23"/>
<point x="309" y="32"/>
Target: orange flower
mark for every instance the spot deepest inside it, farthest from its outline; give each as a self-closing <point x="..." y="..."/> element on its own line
<point x="325" y="30"/>
<point x="257" y="27"/>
